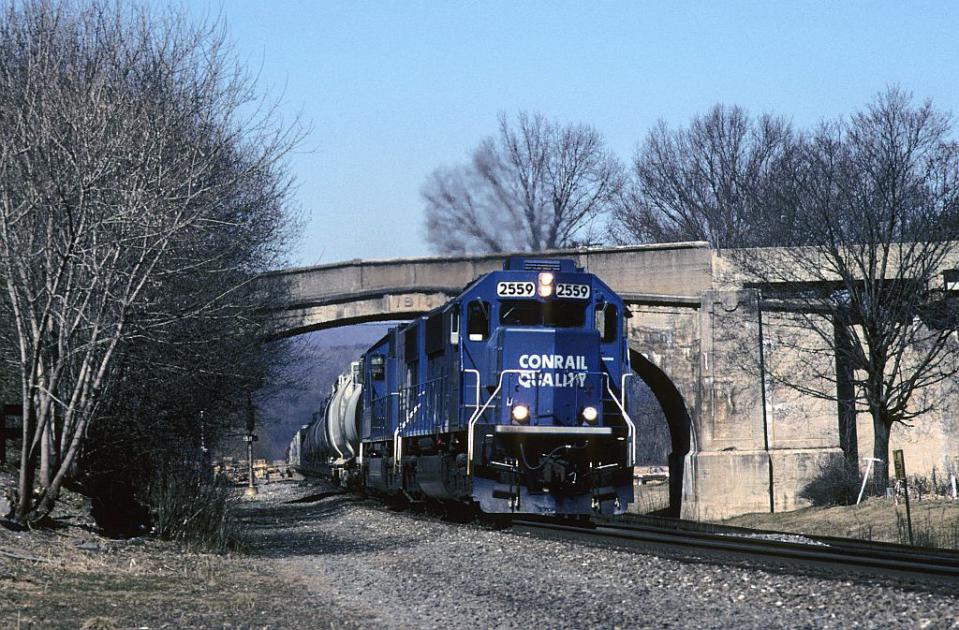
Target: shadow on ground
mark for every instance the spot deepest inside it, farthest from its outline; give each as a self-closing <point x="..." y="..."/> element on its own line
<point x="323" y="522"/>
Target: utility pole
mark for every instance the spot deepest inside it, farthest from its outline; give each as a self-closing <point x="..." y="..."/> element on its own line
<point x="900" y="463"/>
<point x="250" y="438"/>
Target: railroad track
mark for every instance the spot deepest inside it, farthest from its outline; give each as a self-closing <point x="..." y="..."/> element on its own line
<point x="846" y="554"/>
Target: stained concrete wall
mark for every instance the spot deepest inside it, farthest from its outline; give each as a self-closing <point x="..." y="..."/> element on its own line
<point x="757" y="443"/>
<point x="803" y="430"/>
<point x="754" y="444"/>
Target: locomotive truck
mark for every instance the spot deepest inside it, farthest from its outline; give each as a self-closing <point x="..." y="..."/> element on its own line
<point x="509" y="396"/>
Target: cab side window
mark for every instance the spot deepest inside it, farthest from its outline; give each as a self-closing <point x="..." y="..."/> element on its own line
<point x="477" y="320"/>
<point x="607" y="322"/>
<point x="378" y="367"/>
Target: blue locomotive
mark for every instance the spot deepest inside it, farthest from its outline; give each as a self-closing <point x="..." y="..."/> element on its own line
<point x="510" y="396"/>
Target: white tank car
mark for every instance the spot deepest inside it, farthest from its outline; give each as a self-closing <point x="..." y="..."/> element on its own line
<point x="341" y="417"/>
<point x="333" y="437"/>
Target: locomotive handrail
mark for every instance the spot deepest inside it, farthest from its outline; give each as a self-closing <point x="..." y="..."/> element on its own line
<point x="384" y="401"/>
<point x="430" y="411"/>
<point x="425" y="395"/>
<point x="629" y="422"/>
<point x="398" y="437"/>
<point x="480" y="412"/>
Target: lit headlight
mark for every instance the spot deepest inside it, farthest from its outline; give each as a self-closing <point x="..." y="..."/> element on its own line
<point x="521" y="413"/>
<point x="545" y="284"/>
<point x="590" y="414"/>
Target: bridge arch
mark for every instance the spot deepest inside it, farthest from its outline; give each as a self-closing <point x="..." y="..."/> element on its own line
<point x="677" y="419"/>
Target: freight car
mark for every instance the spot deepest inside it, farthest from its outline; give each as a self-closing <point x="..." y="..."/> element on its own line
<point x="510" y="396"/>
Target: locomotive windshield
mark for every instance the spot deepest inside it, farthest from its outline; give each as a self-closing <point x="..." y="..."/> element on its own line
<point x="532" y="313"/>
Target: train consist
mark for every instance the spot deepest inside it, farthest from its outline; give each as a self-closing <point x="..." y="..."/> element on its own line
<point x="509" y="396"/>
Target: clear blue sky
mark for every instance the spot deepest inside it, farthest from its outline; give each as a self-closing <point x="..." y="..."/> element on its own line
<point x="393" y="90"/>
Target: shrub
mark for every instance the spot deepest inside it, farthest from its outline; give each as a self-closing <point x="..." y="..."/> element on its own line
<point x="190" y="505"/>
<point x="836" y="484"/>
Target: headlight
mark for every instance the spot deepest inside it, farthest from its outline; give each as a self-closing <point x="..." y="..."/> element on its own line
<point x="590" y="414"/>
<point x="521" y="413"/>
<point x="545" y="284"/>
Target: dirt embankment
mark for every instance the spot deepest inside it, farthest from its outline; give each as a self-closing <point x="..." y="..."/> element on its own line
<point x="71" y="577"/>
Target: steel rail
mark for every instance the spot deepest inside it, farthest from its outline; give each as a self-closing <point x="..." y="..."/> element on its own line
<point x="846" y="554"/>
<point x="869" y="546"/>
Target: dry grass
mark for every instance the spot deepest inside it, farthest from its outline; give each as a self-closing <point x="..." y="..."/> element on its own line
<point x="110" y="584"/>
<point x="650" y="497"/>
<point x="196" y="509"/>
<point x="935" y="523"/>
<point x="70" y="577"/>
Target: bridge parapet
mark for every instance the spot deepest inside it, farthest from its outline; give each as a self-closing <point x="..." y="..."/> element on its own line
<point x="657" y="273"/>
<point x="813" y="265"/>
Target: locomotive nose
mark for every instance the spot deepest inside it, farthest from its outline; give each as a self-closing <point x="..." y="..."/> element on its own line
<point x="554" y="375"/>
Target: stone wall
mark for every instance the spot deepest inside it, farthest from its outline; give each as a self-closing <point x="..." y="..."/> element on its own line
<point x="757" y="443"/>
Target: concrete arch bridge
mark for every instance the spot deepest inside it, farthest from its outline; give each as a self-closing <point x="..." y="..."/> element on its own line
<point x="742" y="444"/>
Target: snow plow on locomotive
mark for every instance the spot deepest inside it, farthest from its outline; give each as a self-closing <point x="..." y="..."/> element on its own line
<point x="510" y="397"/>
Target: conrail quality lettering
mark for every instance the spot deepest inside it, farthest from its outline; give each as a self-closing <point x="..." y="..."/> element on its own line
<point x="574" y="374"/>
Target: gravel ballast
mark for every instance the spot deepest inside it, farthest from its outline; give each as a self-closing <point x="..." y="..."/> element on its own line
<point x="402" y="569"/>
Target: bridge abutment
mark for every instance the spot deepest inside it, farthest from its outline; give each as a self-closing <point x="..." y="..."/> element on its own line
<point x="752" y="443"/>
<point x="756" y="442"/>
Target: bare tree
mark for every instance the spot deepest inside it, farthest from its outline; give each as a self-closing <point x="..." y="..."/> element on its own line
<point x="716" y="181"/>
<point x="536" y="185"/>
<point x="122" y="149"/>
<point x="877" y="201"/>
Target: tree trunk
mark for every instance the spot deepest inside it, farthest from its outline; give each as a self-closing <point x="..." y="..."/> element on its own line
<point x="846" y="395"/>
<point x="880" y="450"/>
<point x="45" y="462"/>
<point x="52" y="492"/>
<point x="27" y="462"/>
